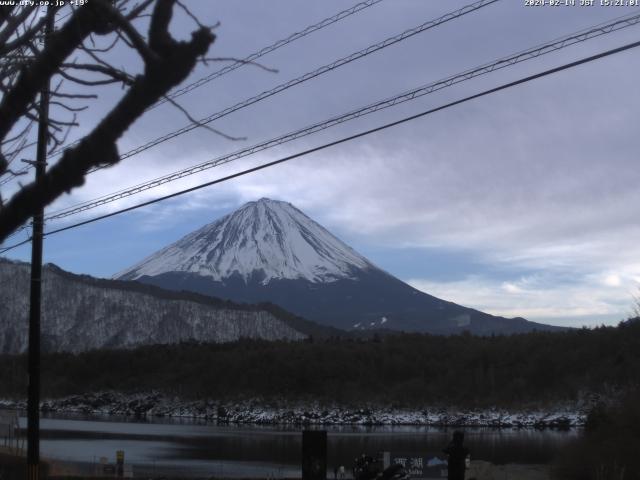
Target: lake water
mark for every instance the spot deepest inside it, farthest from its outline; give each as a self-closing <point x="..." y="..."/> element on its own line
<point x="197" y="448"/>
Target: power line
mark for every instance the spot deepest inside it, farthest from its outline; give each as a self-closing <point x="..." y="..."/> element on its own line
<point x="274" y="46"/>
<point x="260" y="53"/>
<point x="310" y="75"/>
<point x="235" y="65"/>
<point x="521" y="56"/>
<point x="533" y="52"/>
<point x="19" y="244"/>
<point x="358" y="135"/>
<point x="305" y="77"/>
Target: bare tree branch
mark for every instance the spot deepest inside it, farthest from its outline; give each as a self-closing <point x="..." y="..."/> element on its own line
<point x="74" y="95"/>
<point x="33" y="78"/>
<point x="199" y="123"/>
<point x="104" y="49"/>
<point x="67" y="107"/>
<point x="169" y="65"/>
<point x="13" y="23"/>
<point x="238" y="60"/>
<point x="88" y="83"/>
<point x="147" y="53"/>
<point x="27" y="36"/>
<point x="137" y="10"/>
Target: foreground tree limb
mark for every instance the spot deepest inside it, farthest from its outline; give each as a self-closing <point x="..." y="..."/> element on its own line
<point x="167" y="63"/>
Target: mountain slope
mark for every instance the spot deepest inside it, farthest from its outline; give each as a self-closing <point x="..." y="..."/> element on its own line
<point x="81" y="313"/>
<point x="270" y="237"/>
<point x="270" y="251"/>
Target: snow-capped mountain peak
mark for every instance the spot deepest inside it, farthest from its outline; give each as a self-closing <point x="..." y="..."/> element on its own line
<point x="266" y="239"/>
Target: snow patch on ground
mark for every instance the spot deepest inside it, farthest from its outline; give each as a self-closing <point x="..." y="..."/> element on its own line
<point x="154" y="404"/>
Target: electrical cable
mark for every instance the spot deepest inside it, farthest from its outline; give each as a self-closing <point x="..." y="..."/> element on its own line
<point x="301" y="79"/>
<point x="534" y="52"/>
<point x="235" y="65"/>
<point x="358" y="135"/>
<point x="263" y="51"/>
<point x="310" y="75"/>
<point x="528" y="54"/>
<point x="6" y="249"/>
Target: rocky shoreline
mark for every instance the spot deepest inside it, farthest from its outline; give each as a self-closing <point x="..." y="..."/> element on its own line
<point x="153" y="404"/>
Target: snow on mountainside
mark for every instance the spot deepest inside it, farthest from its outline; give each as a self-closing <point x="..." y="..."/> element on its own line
<point x="81" y="313"/>
<point x="269" y="238"/>
<point x="269" y="251"/>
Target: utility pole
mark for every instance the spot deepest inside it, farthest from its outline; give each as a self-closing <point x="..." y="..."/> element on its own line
<point x="33" y="400"/>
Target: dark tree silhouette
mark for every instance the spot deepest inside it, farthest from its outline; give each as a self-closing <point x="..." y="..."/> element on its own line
<point x="76" y="56"/>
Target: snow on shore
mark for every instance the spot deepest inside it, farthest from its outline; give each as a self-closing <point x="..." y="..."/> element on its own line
<point x="257" y="412"/>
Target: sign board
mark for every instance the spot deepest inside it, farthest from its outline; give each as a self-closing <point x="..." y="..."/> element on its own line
<point x="420" y="466"/>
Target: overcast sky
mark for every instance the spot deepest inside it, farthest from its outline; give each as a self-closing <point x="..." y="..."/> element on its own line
<point x="522" y="203"/>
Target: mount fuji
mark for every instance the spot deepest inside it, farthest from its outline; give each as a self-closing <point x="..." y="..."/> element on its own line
<point x="269" y="251"/>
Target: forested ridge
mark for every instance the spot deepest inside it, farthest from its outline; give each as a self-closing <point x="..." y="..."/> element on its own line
<point x="402" y="369"/>
<point x="82" y="313"/>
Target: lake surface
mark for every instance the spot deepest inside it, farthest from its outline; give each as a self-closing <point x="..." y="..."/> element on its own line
<point x="197" y="448"/>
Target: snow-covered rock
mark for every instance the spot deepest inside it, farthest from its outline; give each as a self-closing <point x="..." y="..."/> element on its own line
<point x="254" y="411"/>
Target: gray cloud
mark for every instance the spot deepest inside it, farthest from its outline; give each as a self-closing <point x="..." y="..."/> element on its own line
<point x="541" y="177"/>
